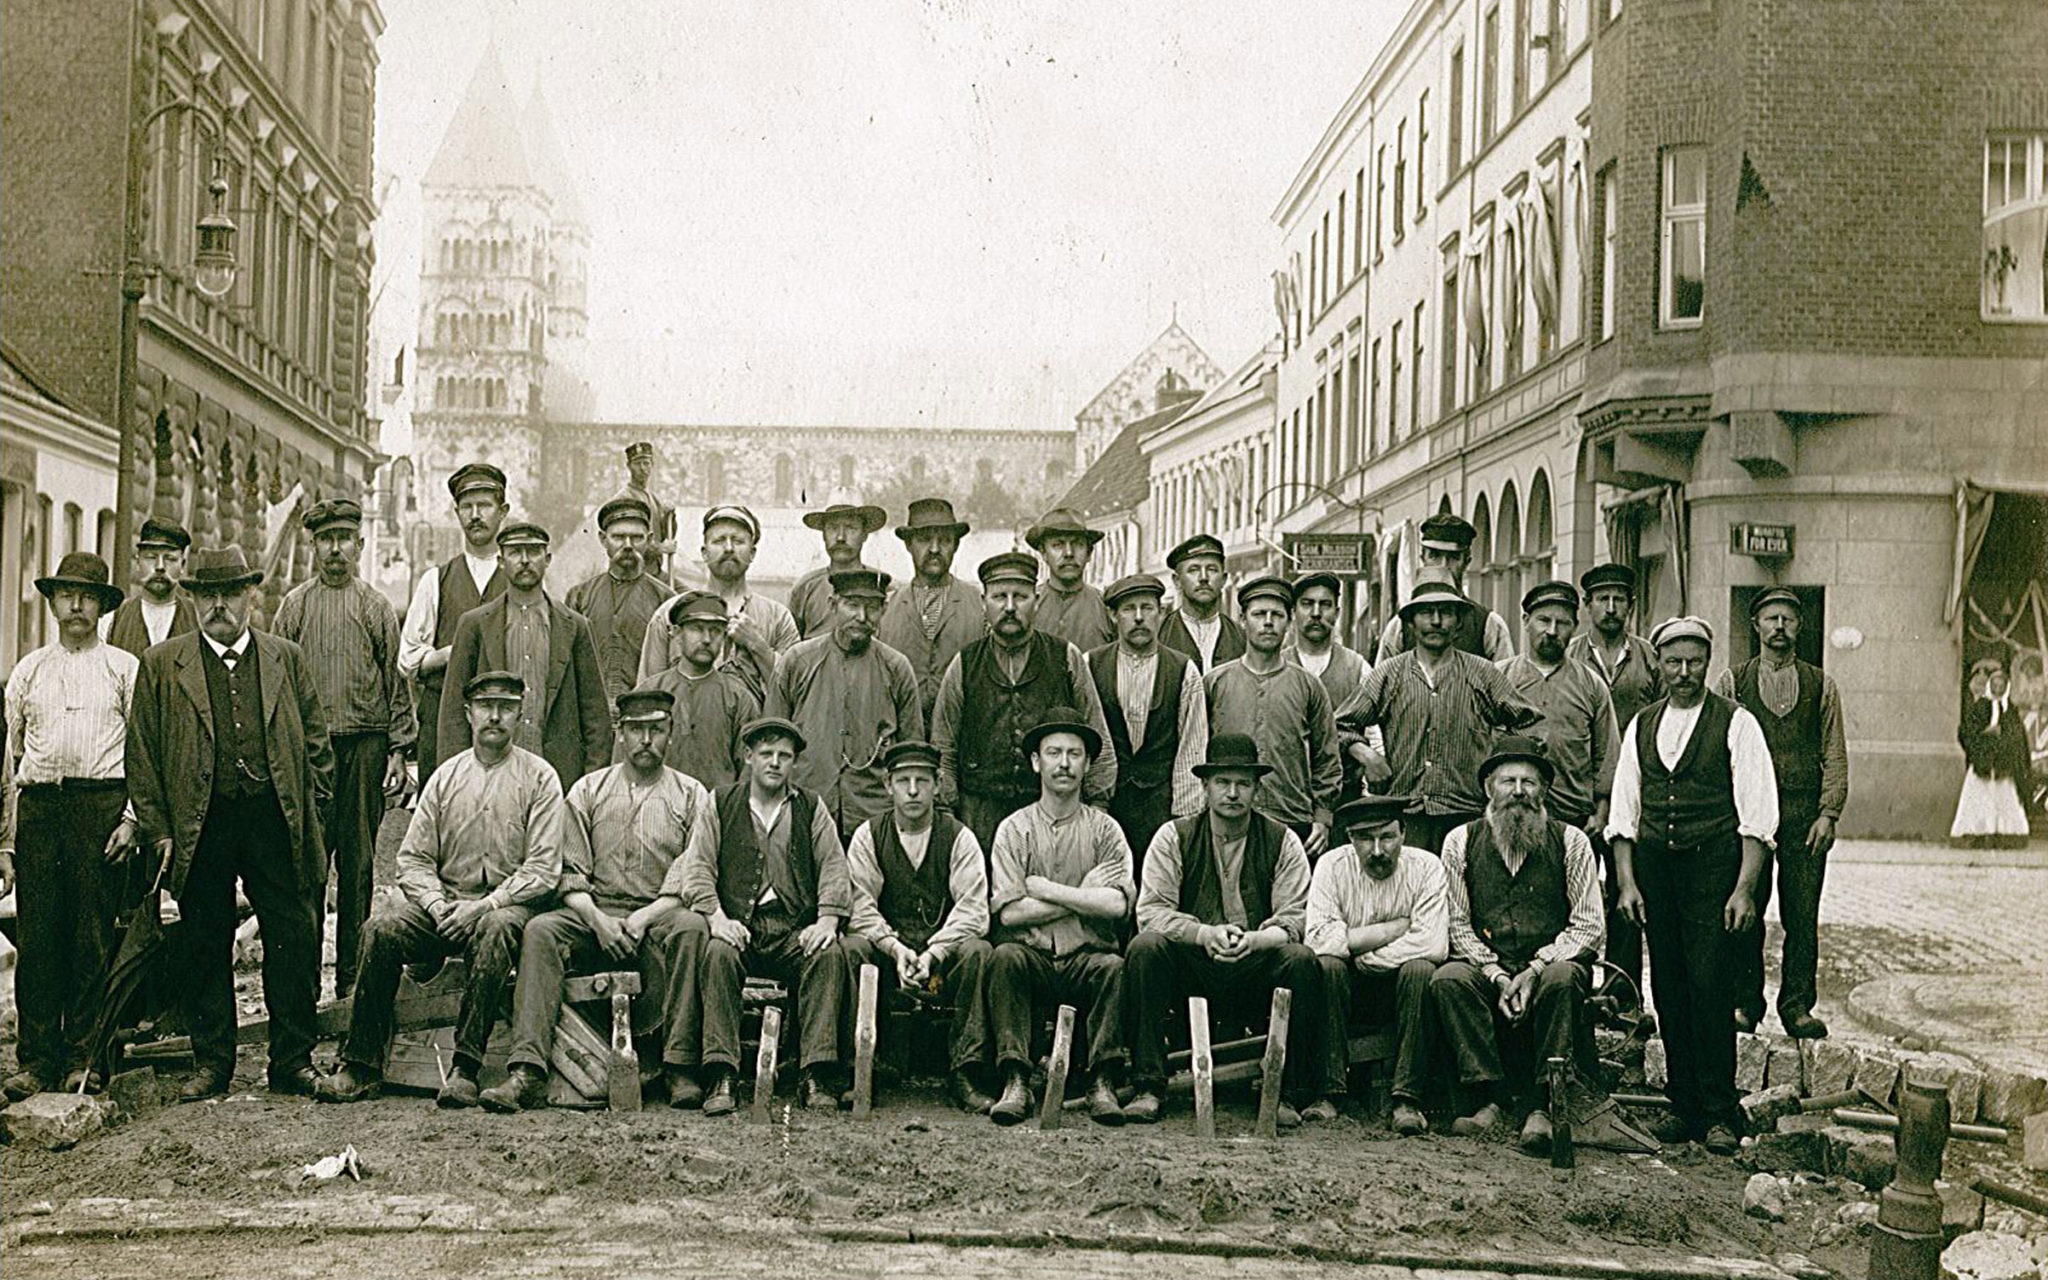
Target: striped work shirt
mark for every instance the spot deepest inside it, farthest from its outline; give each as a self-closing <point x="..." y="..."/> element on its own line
<point x="1584" y="931"/>
<point x="67" y="717"/>
<point x="351" y="638"/>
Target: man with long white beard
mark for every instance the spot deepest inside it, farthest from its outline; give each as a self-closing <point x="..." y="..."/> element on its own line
<point x="1526" y="922"/>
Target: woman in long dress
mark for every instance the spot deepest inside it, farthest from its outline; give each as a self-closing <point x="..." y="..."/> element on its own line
<point x="1990" y="812"/>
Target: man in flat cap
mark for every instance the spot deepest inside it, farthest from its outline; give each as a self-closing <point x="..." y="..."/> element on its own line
<point x="920" y="910"/>
<point x="1198" y="626"/>
<point x="1222" y="910"/>
<point x="1525" y="925"/>
<point x="350" y="634"/>
<point x="624" y="834"/>
<point x="1800" y="710"/>
<point x="712" y="703"/>
<point x="1439" y="708"/>
<point x="229" y="769"/>
<point x="1318" y="603"/>
<point x="995" y="690"/>
<point x="157" y="612"/>
<point x="852" y="696"/>
<point x="1378" y="920"/>
<point x="661" y="529"/>
<point x="1578" y="714"/>
<point x="770" y="875"/>
<point x="483" y="852"/>
<point x="1285" y="710"/>
<point x="937" y="615"/>
<point x="844" y="524"/>
<point x="619" y="602"/>
<point x="760" y="627"/>
<point x="1067" y="606"/>
<point x="564" y="718"/>
<point x="1446" y="542"/>
<point x="1695" y="807"/>
<point x="446" y="592"/>
<point x="1158" y="715"/>
<point x="68" y="709"/>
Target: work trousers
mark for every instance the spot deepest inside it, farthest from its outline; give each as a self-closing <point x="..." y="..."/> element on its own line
<point x="402" y="933"/>
<point x="1025" y="983"/>
<point x="353" y="814"/>
<point x="1800" y="871"/>
<point x="962" y="984"/>
<point x="556" y="945"/>
<point x="1693" y="963"/>
<point x="818" y="979"/>
<point x="426" y="692"/>
<point x="1159" y="971"/>
<point x="1624" y="945"/>
<point x="982" y="814"/>
<point x="65" y="903"/>
<point x="1467" y="1006"/>
<point x="246" y="838"/>
<point x="1374" y="997"/>
<point x="1427" y="830"/>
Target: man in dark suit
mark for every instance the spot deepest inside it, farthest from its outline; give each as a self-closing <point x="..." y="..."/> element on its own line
<point x="565" y="719"/>
<point x="156" y="612"/>
<point x="228" y="769"/>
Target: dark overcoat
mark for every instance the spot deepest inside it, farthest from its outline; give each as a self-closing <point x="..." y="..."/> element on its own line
<point x="576" y="723"/>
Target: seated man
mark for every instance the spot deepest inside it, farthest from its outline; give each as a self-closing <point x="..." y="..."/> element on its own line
<point x="484" y="845"/>
<point x="1222" y="909"/>
<point x="1376" y="917"/>
<point x="622" y="855"/>
<point x="771" y="876"/>
<point x="1060" y="888"/>
<point x="920" y="909"/>
<point x="1525" y="921"/>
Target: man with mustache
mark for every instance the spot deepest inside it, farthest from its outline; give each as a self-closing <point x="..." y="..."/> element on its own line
<point x="157" y="612"/>
<point x="851" y="695"/>
<point x="661" y="530"/>
<point x="626" y="830"/>
<point x="760" y="628"/>
<point x="1067" y="606"/>
<point x="1197" y="626"/>
<point x="844" y="525"/>
<point x="619" y="602"/>
<point x="1318" y="601"/>
<point x="349" y="632"/>
<point x="1158" y="716"/>
<point x="1577" y="728"/>
<point x="484" y="850"/>
<point x="1695" y="807"/>
<point x="445" y="593"/>
<point x="1446" y="552"/>
<point x="64" y="829"/>
<point x="939" y="615"/>
<point x="992" y="694"/>
<point x="229" y="768"/>
<point x="1525" y="926"/>
<point x="712" y="704"/>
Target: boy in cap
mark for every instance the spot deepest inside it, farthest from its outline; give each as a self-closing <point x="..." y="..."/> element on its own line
<point x="938" y="615"/>
<point x="157" y="612"/>
<point x="1197" y="626"/>
<point x="1067" y="606"/>
<point x="619" y="602"/>
<point x="712" y="703"/>
<point x="448" y="591"/>
<point x="1157" y="711"/>
<point x="1446" y="542"/>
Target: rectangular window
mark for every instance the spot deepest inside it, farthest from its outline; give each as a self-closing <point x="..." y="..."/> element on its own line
<point x="1682" y="249"/>
<point x="1358" y="221"/>
<point x="1341" y="277"/>
<point x="1447" y="342"/>
<point x="1513" y="273"/>
<point x="1314" y="278"/>
<point x="1379" y="202"/>
<point x="1400" y="206"/>
<point x="1523" y="35"/>
<point x="1489" y="75"/>
<point x="1454" y="116"/>
<point x="1319" y="432"/>
<point x="1355" y="412"/>
<point x="1336" y="425"/>
<point x="1421" y="146"/>
<point x="1610" y="218"/>
<point x="1394" y="383"/>
<point x="1372" y="404"/>
<point x="1555" y="44"/>
<point x="2015" y="227"/>
<point x="1328" y="292"/>
<point x="1415" y="369"/>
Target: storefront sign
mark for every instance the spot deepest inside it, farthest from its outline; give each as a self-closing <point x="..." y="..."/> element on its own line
<point x="1341" y="553"/>
<point x="1760" y="541"/>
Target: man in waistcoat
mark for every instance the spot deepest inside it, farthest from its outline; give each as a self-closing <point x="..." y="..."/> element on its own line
<point x="1158" y="715"/>
<point x="446" y="592"/>
<point x="157" y="612"/>
<point x="1801" y="713"/>
<point x="936" y="615"/>
<point x="1695" y="806"/>
<point x="1067" y="606"/>
<point x="1447" y="552"/>
<point x="1197" y="626"/>
<point x="619" y="602"/>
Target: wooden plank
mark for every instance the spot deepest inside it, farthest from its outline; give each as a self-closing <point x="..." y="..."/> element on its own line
<point x="1274" y="1065"/>
<point x="764" y="1063"/>
<point x="579" y="1062"/>
<point x="600" y="986"/>
<point x="864" y="1043"/>
<point x="622" y="1066"/>
<point x="1056" y="1072"/>
<point x="1202" y="1068"/>
<point x="1245" y="1050"/>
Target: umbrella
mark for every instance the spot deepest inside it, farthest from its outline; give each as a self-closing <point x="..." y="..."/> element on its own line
<point x="142" y="941"/>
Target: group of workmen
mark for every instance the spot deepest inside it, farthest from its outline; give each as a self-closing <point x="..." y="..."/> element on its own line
<point x="1007" y="795"/>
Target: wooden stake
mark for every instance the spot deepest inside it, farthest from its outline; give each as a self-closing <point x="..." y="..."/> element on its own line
<point x="1274" y="1064"/>
<point x="764" y="1062"/>
<point x="1056" y="1073"/>
<point x="622" y="1075"/>
<point x="864" y="1044"/>
<point x="1203" y="1064"/>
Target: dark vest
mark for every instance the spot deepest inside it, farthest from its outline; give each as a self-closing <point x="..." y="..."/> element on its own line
<point x="1469" y="636"/>
<point x="128" y="630"/>
<point x="742" y="870"/>
<point x="1201" y="882"/>
<point x="1692" y="806"/>
<point x="458" y="596"/>
<point x="994" y="715"/>
<point x="1151" y="766"/>
<point x="1795" y="738"/>
<point x="241" y="763"/>
<point x="1516" y="914"/>
<point x="916" y="900"/>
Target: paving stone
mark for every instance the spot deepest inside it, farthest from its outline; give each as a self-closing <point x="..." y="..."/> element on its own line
<point x="1752" y="1059"/>
<point x="2011" y="1096"/>
<point x="1830" y="1067"/>
<point x="2034" y="1141"/>
<point x="52" y="1121"/>
<point x="1962" y="1210"/>
<point x="1861" y="1155"/>
<point x="136" y="1093"/>
<point x="1760" y="1110"/>
<point x="1656" y="1070"/>
<point x="1877" y="1075"/>
<point x="1763" y="1196"/>
<point x="1989" y="1255"/>
<point x="1960" y="1076"/>
<point x="1784" y="1066"/>
<point x="1795" y="1152"/>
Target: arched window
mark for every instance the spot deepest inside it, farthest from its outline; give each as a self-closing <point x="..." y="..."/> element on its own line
<point x="1541" y="544"/>
<point x="785" y="480"/>
<point x="1507" y="551"/>
<point x="1479" y="575"/>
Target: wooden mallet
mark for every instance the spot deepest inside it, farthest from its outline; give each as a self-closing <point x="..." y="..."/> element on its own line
<point x="764" y="1062"/>
<point x="1056" y="1072"/>
<point x="1202" y="1063"/>
<point x="1274" y="1065"/>
<point x="864" y="1044"/>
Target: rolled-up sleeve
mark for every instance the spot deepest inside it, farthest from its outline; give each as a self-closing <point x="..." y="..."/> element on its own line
<point x="1429" y="923"/>
<point x="1328" y="931"/>
<point x="1009" y="856"/>
<point x="1290" y="889"/>
<point x="1159" y="896"/>
<point x="968" y="880"/>
<point x="1624" y="809"/>
<point x="422" y="617"/>
<point x="1756" y="779"/>
<point x="864" y="872"/>
<point x="693" y="878"/>
<point x="835" y="885"/>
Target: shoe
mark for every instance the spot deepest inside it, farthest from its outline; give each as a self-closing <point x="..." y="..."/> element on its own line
<point x="1536" y="1133"/>
<point x="1103" y="1107"/>
<point x="684" y="1093"/>
<point x="718" y="1099"/>
<point x="298" y="1082"/>
<point x="1804" y="1026"/>
<point x="968" y="1095"/>
<point x="812" y="1095"/>
<point x="1409" y="1121"/>
<point x="24" y="1084"/>
<point x="207" y="1082"/>
<point x="1144" y="1106"/>
<point x="1321" y="1111"/>
<point x="1015" y="1104"/>
<point x="1286" y="1118"/>
<point x="1487" y="1118"/>
<point x="1670" y="1129"/>
<point x="349" y="1083"/>
<point x="459" y="1090"/>
<point x="524" y="1088"/>
<point x="1746" y="1020"/>
<point x="1721" y="1140"/>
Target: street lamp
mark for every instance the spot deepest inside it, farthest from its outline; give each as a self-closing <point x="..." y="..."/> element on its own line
<point x="214" y="266"/>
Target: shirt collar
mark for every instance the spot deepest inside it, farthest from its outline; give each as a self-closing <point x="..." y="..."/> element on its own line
<point x="221" y="651"/>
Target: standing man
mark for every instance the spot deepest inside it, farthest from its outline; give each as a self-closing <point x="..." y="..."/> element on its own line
<point x="712" y="704"/>
<point x="157" y="612"/>
<point x="844" y="524"/>
<point x="1695" y="805"/>
<point x="1577" y="727"/>
<point x="1447" y="552"/>
<point x="484" y="849"/>
<point x="229" y="768"/>
<point x="996" y="690"/>
<point x="68" y="707"/>
<point x="761" y="628"/>
<point x="1801" y="713"/>
<point x="1222" y="911"/>
<point x="1318" y="600"/>
<point x="1060" y="887"/>
<point x="619" y="602"/>
<point x="626" y="829"/>
<point x="1285" y="711"/>
<point x="852" y="697"/>
<point x="920" y="910"/>
<point x="939" y="615"/>
<point x="662" y="517"/>
<point x="1198" y="626"/>
<point x="1158" y="716"/>
<point x="1438" y="707"/>
<point x="564" y="718"/>
<point x="349" y="633"/>
<point x="445" y="593"/>
<point x="1067" y="606"/>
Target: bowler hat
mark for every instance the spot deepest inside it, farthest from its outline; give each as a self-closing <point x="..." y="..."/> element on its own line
<point x="1373" y="811"/>
<point x="1515" y="748"/>
<point x="931" y="515"/>
<point x="623" y="509"/>
<point x="1062" y="720"/>
<point x="218" y="571"/>
<point x="1608" y="575"/>
<point x="1201" y="544"/>
<point x="1061" y="522"/>
<point x="1135" y="584"/>
<point x="86" y="572"/>
<point x="771" y="727"/>
<point x="1232" y="751"/>
<point x="910" y="754"/>
<point x="163" y="533"/>
<point x="500" y="686"/>
<point x="645" y="703"/>
<point x="844" y="502"/>
<point x="476" y="475"/>
<point x="333" y="511"/>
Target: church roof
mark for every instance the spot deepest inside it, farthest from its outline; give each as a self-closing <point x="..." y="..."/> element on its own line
<point x="482" y="147"/>
<point x="1121" y="476"/>
<point x="550" y="164"/>
<point x="1204" y="375"/>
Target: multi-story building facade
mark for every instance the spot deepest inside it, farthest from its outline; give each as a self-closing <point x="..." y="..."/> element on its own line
<point x="1209" y="469"/>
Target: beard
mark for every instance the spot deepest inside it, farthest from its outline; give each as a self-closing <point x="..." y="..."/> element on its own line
<point x="1517" y="824"/>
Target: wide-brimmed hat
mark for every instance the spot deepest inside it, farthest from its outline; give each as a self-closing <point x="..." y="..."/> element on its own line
<point x="218" y="570"/>
<point x="86" y="572"/>
<point x="1062" y="720"/>
<point x="931" y="515"/>
<point x="772" y="727"/>
<point x="1373" y="811"/>
<point x="1232" y="751"/>
<point x="844" y="502"/>
<point x="1434" y="593"/>
<point x="1518" y="748"/>
<point x="1059" y="522"/>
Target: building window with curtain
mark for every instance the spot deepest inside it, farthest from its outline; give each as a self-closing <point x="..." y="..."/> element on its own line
<point x="1682" y="246"/>
<point x="1447" y="345"/>
<point x="2015" y="227"/>
<point x="1415" y="370"/>
<point x="1610" y="202"/>
<point x="1454" y="116"/>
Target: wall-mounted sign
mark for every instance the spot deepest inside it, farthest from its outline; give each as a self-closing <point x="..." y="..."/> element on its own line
<point x="1342" y="553"/>
<point x="1760" y="541"/>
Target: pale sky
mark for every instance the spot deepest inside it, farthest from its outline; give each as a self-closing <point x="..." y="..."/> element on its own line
<point x="950" y="213"/>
